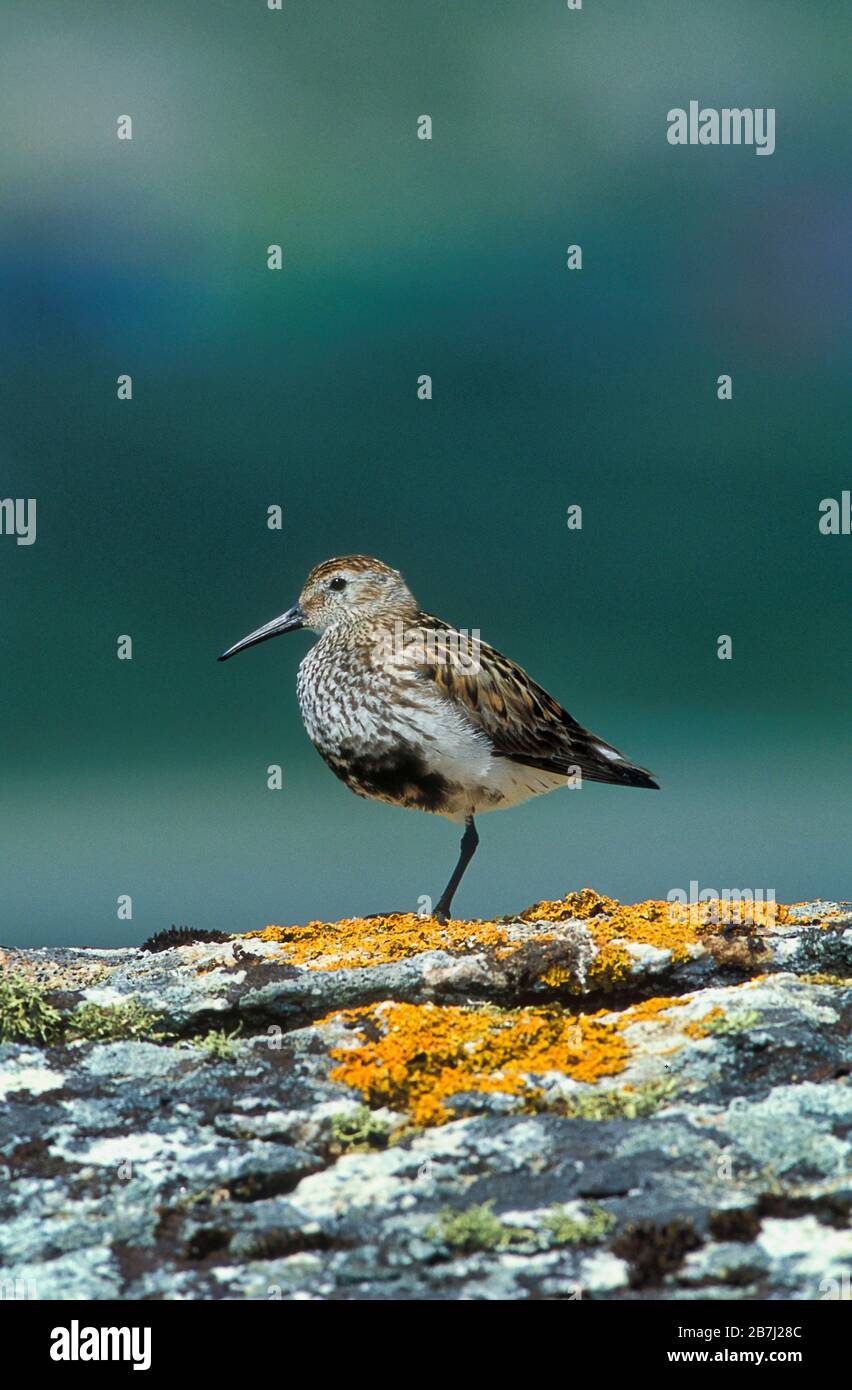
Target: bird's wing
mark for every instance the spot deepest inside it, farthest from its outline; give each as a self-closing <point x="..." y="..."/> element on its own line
<point x="519" y="719"/>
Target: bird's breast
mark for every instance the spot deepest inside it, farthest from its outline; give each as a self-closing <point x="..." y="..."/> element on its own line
<point x="343" y="700"/>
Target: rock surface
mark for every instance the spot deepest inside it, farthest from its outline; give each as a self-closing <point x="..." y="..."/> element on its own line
<point x="585" y="1101"/>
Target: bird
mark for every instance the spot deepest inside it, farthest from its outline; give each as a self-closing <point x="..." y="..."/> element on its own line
<point x="408" y="710"/>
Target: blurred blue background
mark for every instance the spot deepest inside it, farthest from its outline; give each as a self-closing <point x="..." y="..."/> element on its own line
<point x="253" y="388"/>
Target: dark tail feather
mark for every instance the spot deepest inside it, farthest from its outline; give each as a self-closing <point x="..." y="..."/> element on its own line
<point x="592" y="767"/>
<point x="631" y="776"/>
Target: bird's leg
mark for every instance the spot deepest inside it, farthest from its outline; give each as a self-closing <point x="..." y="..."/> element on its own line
<point x="470" y="840"/>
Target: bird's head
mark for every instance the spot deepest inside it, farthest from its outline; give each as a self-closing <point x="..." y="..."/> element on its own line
<point x="348" y="591"/>
<point x="356" y="587"/>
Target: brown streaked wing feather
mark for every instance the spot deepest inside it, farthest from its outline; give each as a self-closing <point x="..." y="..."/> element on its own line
<point x="520" y="719"/>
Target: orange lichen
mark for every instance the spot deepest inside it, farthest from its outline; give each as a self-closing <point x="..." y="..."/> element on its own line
<point x="702" y="1027"/>
<point x="359" y="941"/>
<point x="586" y="903"/>
<point x="653" y="922"/>
<point x="365" y="941"/>
<point x="668" y="926"/>
<point x="424" y="1054"/>
<point x="649" y="1009"/>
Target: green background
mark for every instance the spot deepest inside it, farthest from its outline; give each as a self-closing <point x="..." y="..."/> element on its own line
<point x="299" y="388"/>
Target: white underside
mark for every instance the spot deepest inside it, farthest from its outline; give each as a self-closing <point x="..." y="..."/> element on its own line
<point x="486" y="783"/>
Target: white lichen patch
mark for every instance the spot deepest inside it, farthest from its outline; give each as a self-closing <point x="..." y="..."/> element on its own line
<point x="106" y="996"/>
<point x="602" y="1272"/>
<point x="357" y="1180"/>
<point x="157" y="1156"/>
<point x="814" y="1252"/>
<point x="28" y="1072"/>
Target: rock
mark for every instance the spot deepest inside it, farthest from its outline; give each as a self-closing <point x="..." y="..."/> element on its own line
<point x="584" y="1101"/>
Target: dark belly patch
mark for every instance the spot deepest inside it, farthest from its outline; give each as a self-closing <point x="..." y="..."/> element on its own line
<point x="400" y="776"/>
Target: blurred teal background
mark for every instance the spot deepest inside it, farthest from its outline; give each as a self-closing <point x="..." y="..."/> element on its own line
<point x="253" y="388"/>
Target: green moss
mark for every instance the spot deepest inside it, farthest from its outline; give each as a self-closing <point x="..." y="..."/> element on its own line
<point x="572" y="1230"/>
<point x="114" y="1023"/>
<point x="625" y="1104"/>
<point x="732" y="1023"/>
<point x="25" y="1015"/>
<point x="358" y="1133"/>
<point x="217" y="1044"/>
<point x="475" y="1229"/>
<point x="478" y="1229"/>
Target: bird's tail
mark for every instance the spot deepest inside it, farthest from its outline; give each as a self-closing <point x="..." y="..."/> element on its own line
<point x="603" y="763"/>
<point x="631" y="776"/>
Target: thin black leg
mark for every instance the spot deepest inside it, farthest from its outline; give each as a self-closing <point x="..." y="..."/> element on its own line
<point x="470" y="840"/>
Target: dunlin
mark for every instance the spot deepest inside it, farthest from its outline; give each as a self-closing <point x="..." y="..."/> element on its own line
<point x="408" y="710"/>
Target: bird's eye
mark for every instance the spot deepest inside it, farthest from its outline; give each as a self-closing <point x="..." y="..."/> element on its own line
<point x="337" y="584"/>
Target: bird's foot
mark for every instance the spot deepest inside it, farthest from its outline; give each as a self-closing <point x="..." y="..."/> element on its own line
<point x="439" y="915"/>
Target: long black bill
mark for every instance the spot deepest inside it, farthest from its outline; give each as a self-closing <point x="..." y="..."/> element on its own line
<point x="290" y="621"/>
